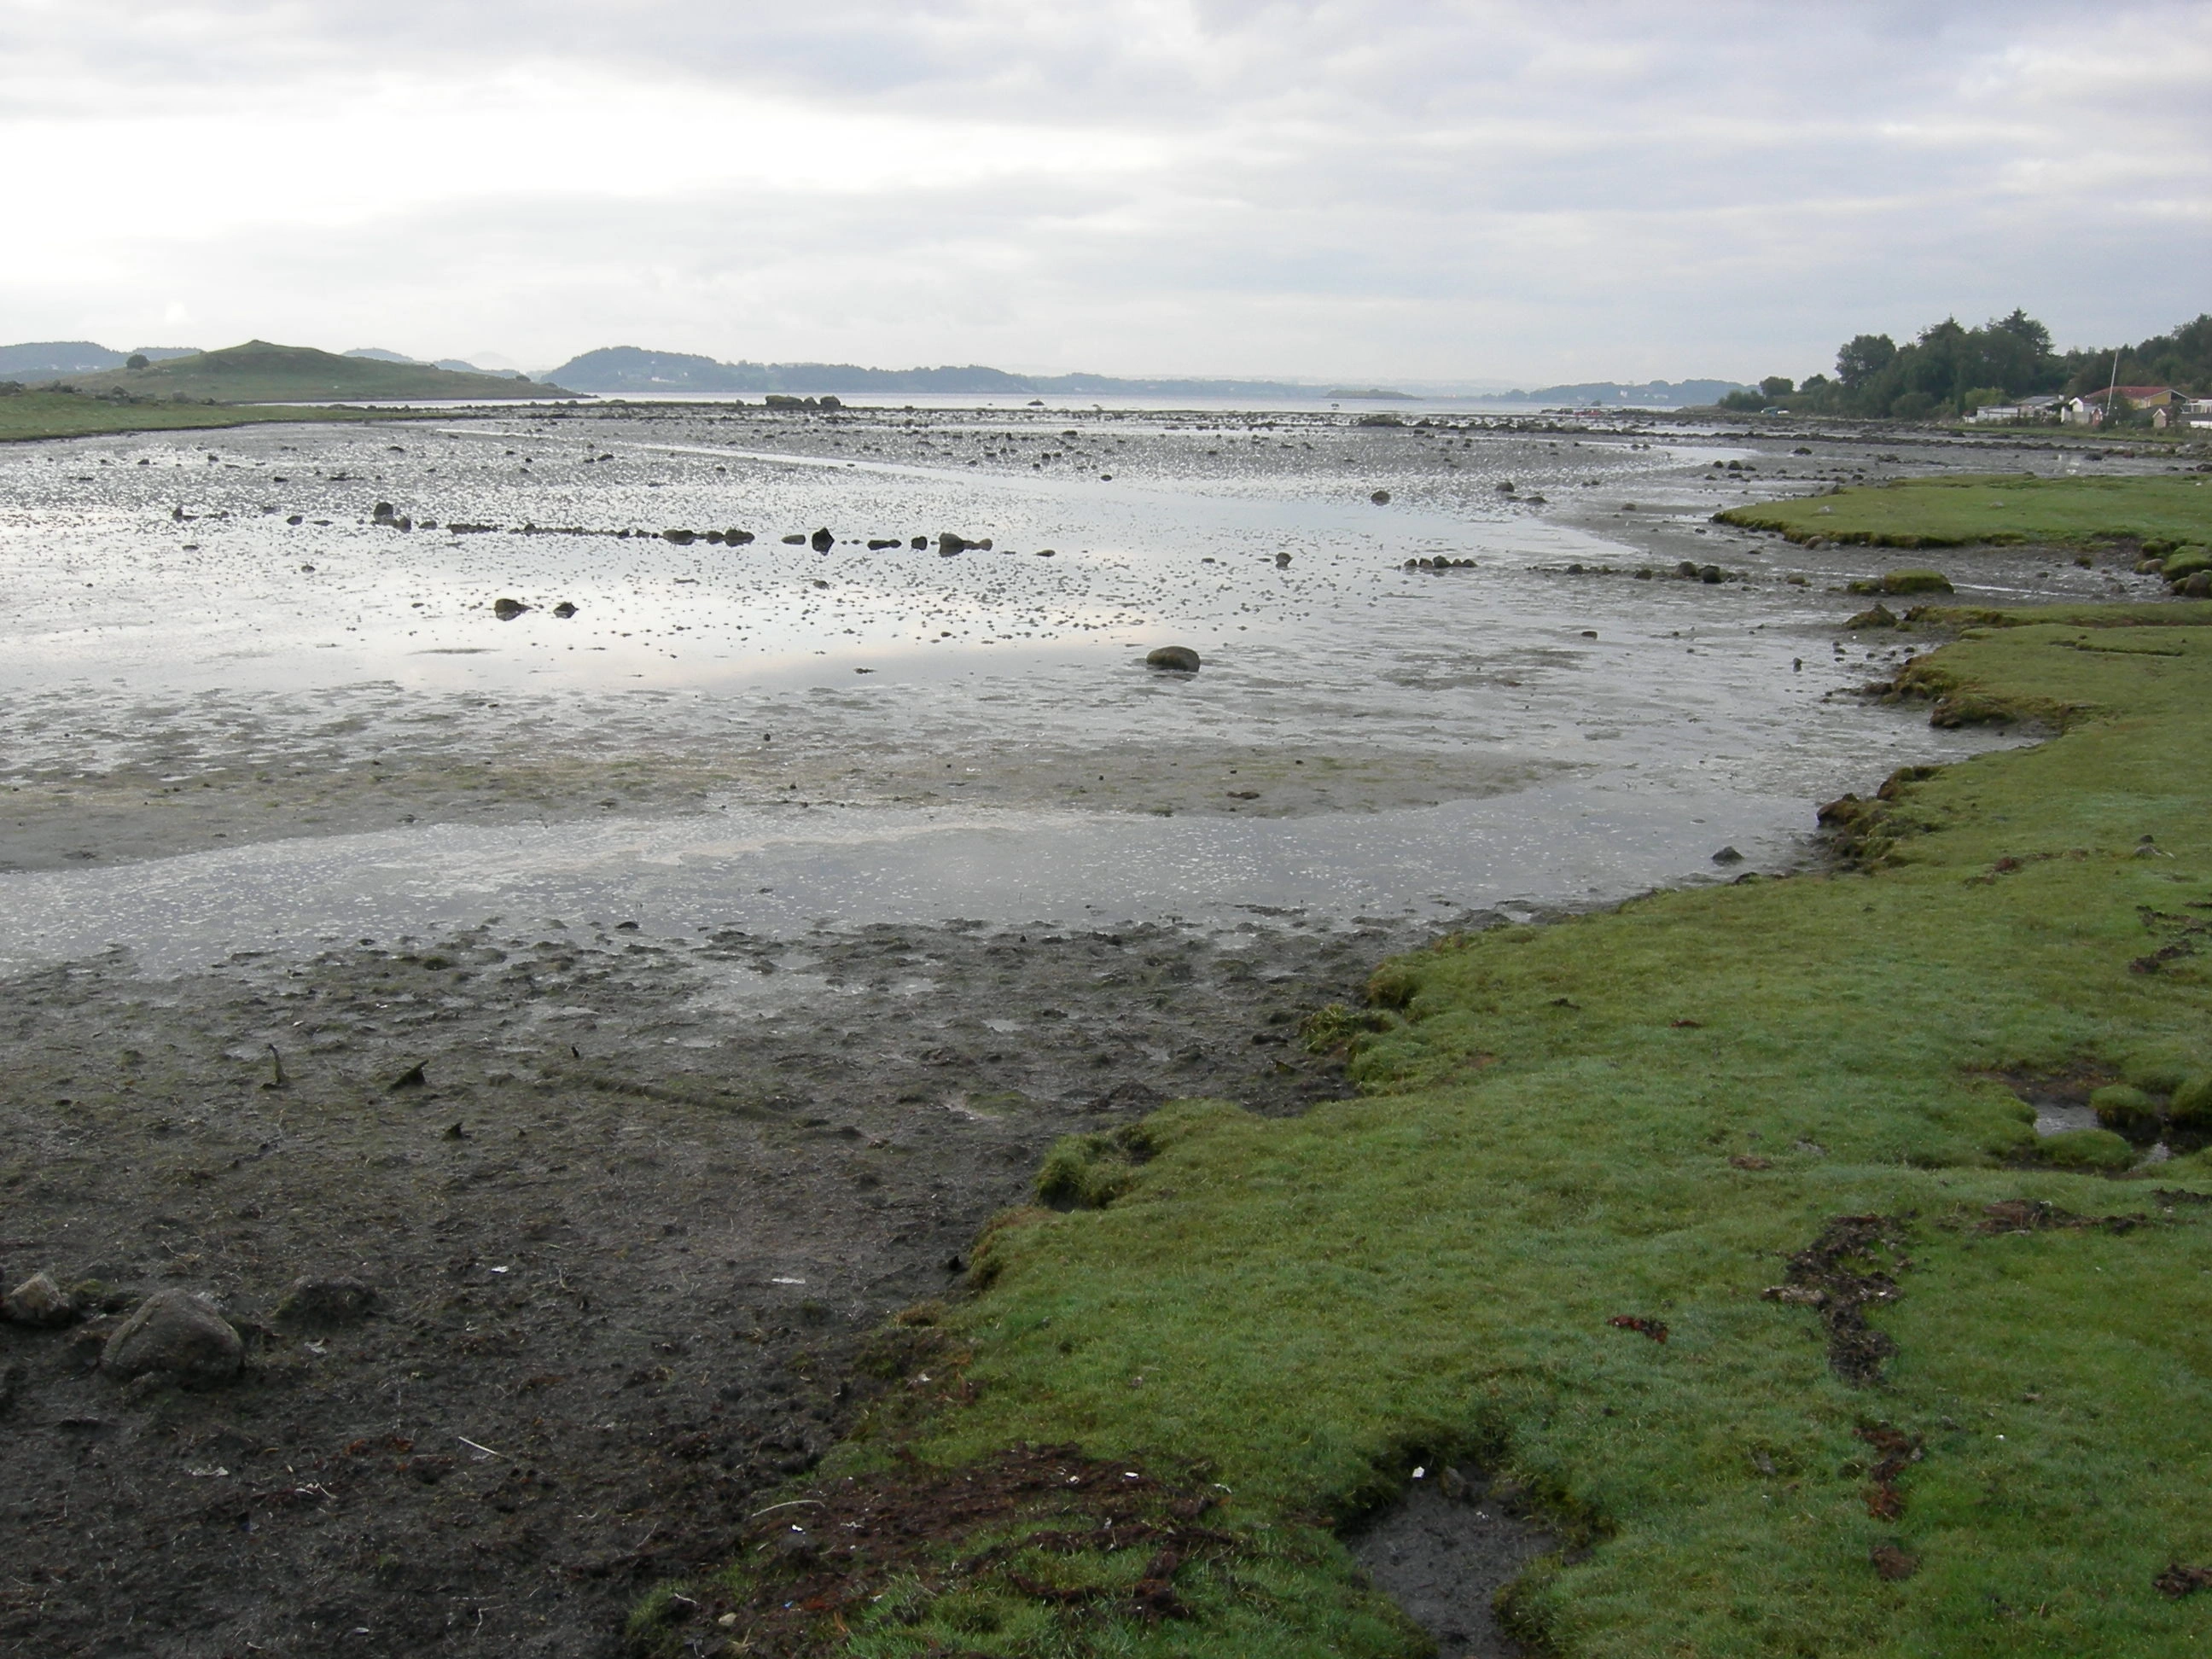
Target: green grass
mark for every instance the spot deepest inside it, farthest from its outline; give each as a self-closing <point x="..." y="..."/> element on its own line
<point x="259" y="373"/>
<point x="28" y="415"/>
<point x="1957" y="511"/>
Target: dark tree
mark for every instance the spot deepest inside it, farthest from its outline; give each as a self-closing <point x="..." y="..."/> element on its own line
<point x="1863" y="358"/>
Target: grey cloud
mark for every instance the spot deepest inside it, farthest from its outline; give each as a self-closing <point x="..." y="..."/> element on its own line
<point x="1404" y="188"/>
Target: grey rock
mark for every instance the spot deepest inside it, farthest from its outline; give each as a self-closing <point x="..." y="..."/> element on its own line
<point x="508" y="609"/>
<point x="38" y="1301"/>
<point x="1728" y="855"/>
<point x="174" y="1333"/>
<point x="1181" y="658"/>
<point x="822" y="540"/>
<point x="1380" y="498"/>
<point x="952" y="542"/>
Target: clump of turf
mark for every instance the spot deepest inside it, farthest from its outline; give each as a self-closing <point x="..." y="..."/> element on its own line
<point x="2087" y="1149"/>
<point x="2124" y="1108"/>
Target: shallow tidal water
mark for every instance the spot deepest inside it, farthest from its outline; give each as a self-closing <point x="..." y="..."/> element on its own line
<point x="240" y="710"/>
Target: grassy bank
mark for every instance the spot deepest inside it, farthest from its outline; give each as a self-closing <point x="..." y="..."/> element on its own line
<point x="28" y="415"/>
<point x="1955" y="512"/>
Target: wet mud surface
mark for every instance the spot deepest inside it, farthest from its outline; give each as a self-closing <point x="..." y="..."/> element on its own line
<point x="624" y="1236"/>
<point x="289" y="809"/>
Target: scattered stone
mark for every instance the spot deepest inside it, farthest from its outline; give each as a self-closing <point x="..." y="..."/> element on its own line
<point x="1180" y="659"/>
<point x="508" y="609"/>
<point x="564" y="610"/>
<point x="1281" y="560"/>
<point x="795" y="541"/>
<point x="173" y="1334"/>
<point x="382" y="512"/>
<point x="1381" y="497"/>
<point x="680" y="537"/>
<point x="322" y="1301"/>
<point x="1728" y="855"/>
<point x="1880" y="617"/>
<point x="1710" y="573"/>
<point x="412" y="1077"/>
<point x="38" y="1301"/>
<point x="822" y="540"/>
<point x="736" y="537"/>
<point x="950" y="542"/>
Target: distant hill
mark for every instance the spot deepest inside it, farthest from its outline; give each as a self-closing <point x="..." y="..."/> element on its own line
<point x="47" y="357"/>
<point x="1667" y="393"/>
<point x="259" y="373"/>
<point x="619" y="370"/>
<point x="377" y="354"/>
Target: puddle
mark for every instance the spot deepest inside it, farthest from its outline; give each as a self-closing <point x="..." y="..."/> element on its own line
<point x="1444" y="1551"/>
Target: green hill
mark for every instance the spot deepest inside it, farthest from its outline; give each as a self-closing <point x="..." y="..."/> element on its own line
<point x="259" y="373"/>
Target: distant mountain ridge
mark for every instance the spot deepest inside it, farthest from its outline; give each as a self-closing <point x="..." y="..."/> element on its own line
<point x="616" y="370"/>
<point x="619" y="370"/>
<point x="76" y="357"/>
<point x="457" y="366"/>
<point x="1670" y="393"/>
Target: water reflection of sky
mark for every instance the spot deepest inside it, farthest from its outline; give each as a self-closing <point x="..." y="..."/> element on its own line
<point x="1666" y="716"/>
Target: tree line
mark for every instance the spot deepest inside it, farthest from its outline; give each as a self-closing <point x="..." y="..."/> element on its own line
<point x="1953" y="370"/>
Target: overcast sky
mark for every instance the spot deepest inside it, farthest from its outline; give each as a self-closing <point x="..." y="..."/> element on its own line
<point x="1394" y="190"/>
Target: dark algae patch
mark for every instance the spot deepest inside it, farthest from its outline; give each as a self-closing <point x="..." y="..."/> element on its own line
<point x="1926" y="1387"/>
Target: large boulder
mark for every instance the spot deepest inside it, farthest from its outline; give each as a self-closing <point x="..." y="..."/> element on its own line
<point x="175" y="1334"/>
